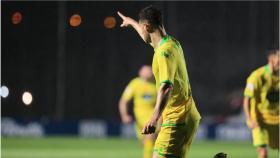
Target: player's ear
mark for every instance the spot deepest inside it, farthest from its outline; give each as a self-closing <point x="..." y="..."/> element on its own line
<point x="148" y="28"/>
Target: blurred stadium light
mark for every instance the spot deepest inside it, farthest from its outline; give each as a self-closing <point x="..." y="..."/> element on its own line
<point x="75" y="20"/>
<point x="4" y="91"/>
<point x="16" y="18"/>
<point x="110" y="22"/>
<point x="27" y="98"/>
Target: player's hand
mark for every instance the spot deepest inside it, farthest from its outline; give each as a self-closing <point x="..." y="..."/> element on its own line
<point x="126" y="119"/>
<point x="149" y="128"/>
<point x="126" y="20"/>
<point x="252" y="124"/>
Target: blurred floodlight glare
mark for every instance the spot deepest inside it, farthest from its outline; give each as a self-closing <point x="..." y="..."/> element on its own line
<point x="16" y="18"/>
<point x="110" y="22"/>
<point x="4" y="91"/>
<point x="75" y="20"/>
<point x="27" y="98"/>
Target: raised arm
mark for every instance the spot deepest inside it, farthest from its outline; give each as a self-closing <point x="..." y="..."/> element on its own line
<point x="127" y="21"/>
<point x="162" y="98"/>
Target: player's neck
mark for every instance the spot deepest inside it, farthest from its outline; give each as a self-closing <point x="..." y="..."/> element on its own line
<point x="145" y="79"/>
<point x="271" y="69"/>
<point x="157" y="36"/>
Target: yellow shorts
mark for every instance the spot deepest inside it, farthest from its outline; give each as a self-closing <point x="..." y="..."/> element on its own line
<point x="266" y="135"/>
<point x="138" y="129"/>
<point x="175" y="140"/>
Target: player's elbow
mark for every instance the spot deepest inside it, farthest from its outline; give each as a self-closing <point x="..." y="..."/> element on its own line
<point x="122" y="102"/>
<point x="166" y="89"/>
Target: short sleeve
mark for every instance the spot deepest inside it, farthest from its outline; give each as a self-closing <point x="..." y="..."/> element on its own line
<point x="251" y="86"/>
<point x="129" y="91"/>
<point x="167" y="67"/>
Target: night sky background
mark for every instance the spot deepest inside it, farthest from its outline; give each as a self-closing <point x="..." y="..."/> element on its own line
<point x="80" y="72"/>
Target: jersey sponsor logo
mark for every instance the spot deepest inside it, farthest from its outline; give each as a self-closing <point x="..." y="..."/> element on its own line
<point x="147" y="96"/>
<point x="164" y="54"/>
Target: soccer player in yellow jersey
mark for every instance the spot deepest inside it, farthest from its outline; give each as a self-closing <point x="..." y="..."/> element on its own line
<point x="143" y="92"/>
<point x="261" y="105"/>
<point x="174" y="98"/>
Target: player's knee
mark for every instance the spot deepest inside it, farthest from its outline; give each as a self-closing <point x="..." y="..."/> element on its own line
<point x="155" y="155"/>
<point x="262" y="152"/>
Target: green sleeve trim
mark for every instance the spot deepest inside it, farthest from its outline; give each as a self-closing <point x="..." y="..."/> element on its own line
<point x="267" y="70"/>
<point x="172" y="124"/>
<point x="165" y="155"/>
<point x="167" y="82"/>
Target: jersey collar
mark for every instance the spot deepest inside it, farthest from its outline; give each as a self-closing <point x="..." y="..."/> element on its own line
<point x="164" y="40"/>
<point x="267" y="69"/>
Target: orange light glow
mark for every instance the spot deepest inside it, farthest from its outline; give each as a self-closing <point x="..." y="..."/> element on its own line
<point x="16" y="18"/>
<point x="110" y="22"/>
<point x="75" y="20"/>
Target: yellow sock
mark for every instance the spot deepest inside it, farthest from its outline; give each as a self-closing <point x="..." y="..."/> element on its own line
<point x="148" y="148"/>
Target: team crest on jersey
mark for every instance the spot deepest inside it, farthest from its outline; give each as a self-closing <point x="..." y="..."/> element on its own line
<point x="164" y="54"/>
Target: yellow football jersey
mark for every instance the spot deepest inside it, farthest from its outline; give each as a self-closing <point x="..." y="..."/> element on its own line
<point x="263" y="90"/>
<point x="169" y="67"/>
<point x="144" y="98"/>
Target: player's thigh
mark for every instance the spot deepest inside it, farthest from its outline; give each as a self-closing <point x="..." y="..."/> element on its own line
<point x="138" y="130"/>
<point x="173" y="141"/>
<point x="273" y="135"/>
<point x="192" y="127"/>
<point x="260" y="136"/>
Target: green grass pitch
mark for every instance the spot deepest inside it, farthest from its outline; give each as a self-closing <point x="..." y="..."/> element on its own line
<point x="73" y="147"/>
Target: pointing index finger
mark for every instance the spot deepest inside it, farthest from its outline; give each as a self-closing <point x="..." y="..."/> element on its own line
<point x="121" y="15"/>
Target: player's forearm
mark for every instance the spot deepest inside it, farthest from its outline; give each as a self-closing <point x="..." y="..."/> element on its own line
<point x="162" y="99"/>
<point x="246" y="107"/>
<point x="123" y="107"/>
<point x="129" y="21"/>
<point x="145" y="36"/>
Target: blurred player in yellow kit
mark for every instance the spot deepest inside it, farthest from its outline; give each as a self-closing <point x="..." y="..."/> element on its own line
<point x="261" y="105"/>
<point x="174" y="98"/>
<point x="142" y="90"/>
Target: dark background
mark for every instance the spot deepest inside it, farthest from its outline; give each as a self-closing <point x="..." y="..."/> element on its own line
<point x="79" y="73"/>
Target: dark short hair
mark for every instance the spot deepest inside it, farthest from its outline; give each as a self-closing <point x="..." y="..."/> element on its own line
<point x="152" y="15"/>
<point x="271" y="51"/>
